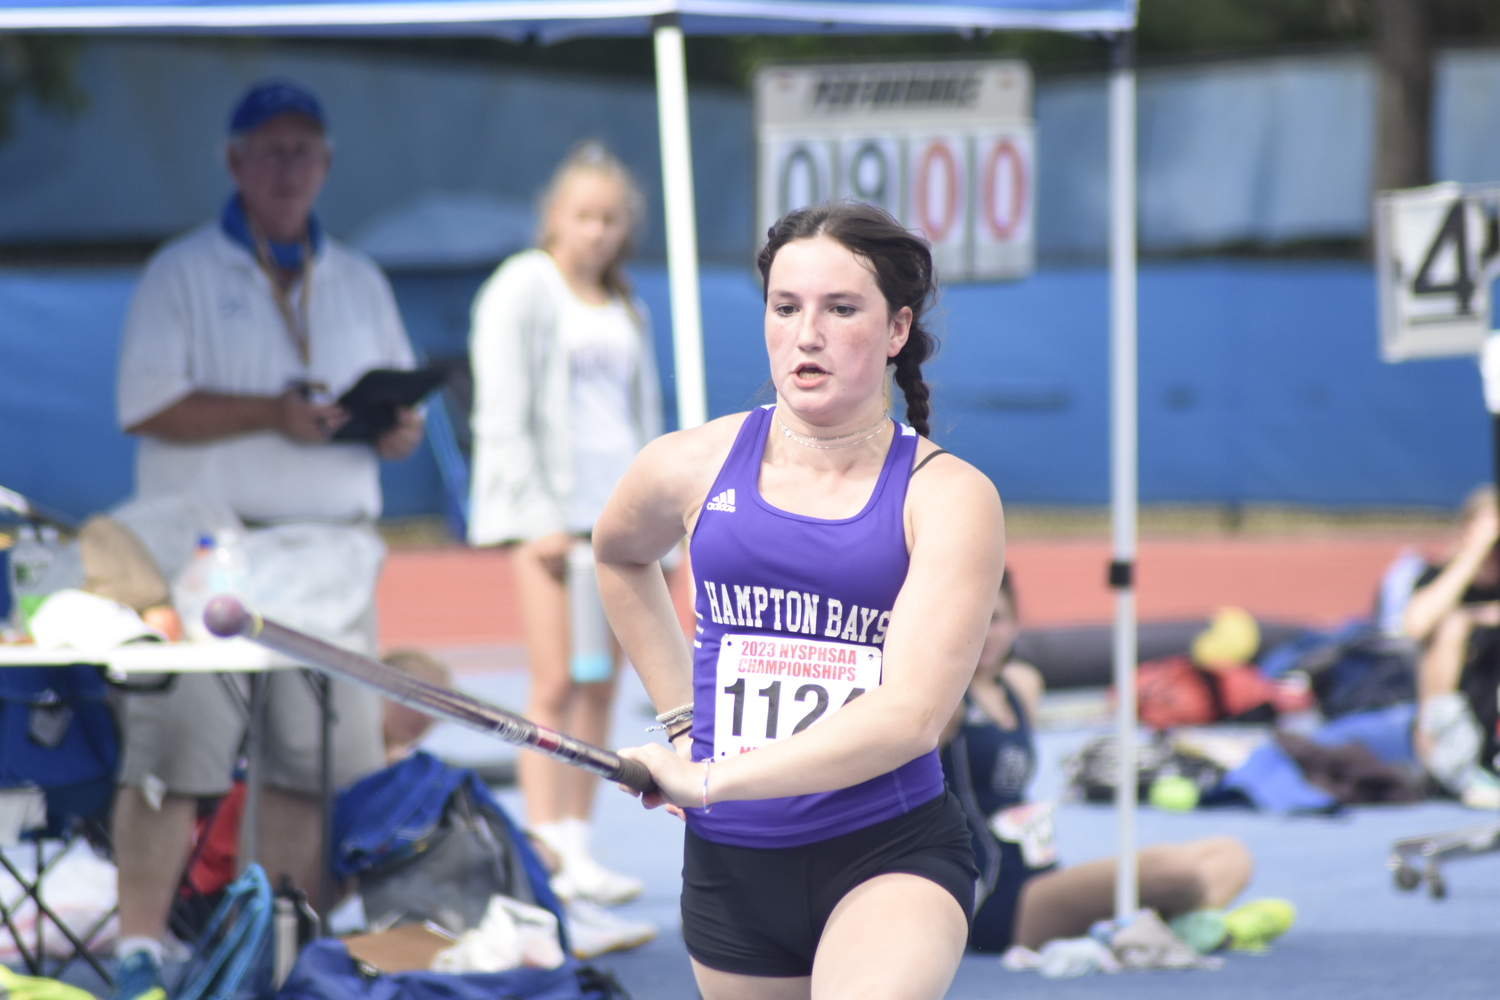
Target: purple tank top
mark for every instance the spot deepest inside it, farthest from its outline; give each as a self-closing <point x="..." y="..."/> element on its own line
<point x="792" y="613"/>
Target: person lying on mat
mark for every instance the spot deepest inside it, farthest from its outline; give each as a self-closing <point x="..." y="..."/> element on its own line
<point x="852" y="565"/>
<point x="1025" y="897"/>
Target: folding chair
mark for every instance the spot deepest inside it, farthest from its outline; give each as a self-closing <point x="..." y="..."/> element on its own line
<point x="57" y="732"/>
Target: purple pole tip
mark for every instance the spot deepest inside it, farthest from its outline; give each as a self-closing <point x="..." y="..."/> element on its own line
<point x="225" y="616"/>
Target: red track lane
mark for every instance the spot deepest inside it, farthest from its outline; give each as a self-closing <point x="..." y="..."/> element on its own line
<point x="453" y="596"/>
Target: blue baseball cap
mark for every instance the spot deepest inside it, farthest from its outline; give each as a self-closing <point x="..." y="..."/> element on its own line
<point x="267" y="100"/>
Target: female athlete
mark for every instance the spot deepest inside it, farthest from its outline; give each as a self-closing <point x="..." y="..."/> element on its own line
<point x="565" y="394"/>
<point x="989" y="755"/>
<point x="845" y="570"/>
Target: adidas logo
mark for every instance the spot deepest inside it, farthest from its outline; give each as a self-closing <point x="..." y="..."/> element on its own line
<point x="724" y="501"/>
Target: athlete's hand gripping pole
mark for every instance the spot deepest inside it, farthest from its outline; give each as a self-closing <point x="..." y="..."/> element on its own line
<point x="226" y="616"/>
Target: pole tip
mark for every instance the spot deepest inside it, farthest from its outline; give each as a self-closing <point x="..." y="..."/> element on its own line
<point x="225" y="616"/>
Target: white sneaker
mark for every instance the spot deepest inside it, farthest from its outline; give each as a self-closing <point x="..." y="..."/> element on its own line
<point x="583" y="878"/>
<point x="593" y="932"/>
<point x="1481" y="790"/>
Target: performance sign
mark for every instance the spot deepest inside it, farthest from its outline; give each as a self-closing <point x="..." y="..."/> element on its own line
<point x="1436" y="251"/>
<point x="947" y="148"/>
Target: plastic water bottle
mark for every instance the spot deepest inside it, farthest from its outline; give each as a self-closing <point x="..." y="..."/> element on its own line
<point x="284" y="940"/>
<point x="30" y="559"/>
<point x="590" y="658"/>
<point x="192" y="589"/>
<point x="229" y="569"/>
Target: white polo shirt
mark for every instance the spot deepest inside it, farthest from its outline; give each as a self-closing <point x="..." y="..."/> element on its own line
<point x="203" y="319"/>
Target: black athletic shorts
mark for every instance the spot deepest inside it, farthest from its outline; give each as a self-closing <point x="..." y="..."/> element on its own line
<point x="760" y="911"/>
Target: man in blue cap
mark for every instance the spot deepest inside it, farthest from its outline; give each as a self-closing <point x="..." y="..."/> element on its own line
<point x="239" y="336"/>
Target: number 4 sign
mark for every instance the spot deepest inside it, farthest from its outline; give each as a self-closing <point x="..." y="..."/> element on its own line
<point x="1436" y="251"/>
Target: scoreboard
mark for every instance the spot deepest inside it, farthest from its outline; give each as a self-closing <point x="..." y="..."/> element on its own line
<point x="947" y="148"/>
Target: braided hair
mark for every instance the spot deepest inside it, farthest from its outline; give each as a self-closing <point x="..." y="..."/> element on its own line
<point x="902" y="262"/>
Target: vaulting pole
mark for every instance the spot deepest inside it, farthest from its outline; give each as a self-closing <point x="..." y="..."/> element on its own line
<point x="1123" y="483"/>
<point x="682" y="222"/>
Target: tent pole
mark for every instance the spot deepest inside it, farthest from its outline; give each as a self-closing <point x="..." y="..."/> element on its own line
<point x="682" y="223"/>
<point x="1123" y="484"/>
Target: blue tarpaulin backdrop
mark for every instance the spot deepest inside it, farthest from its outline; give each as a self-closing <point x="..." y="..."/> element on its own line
<point x="1251" y="151"/>
<point x="1259" y="382"/>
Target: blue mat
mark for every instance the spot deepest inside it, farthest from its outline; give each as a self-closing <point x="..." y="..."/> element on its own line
<point x="1356" y="934"/>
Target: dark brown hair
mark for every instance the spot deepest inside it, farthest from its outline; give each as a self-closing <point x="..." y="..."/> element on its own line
<point x="902" y="262"/>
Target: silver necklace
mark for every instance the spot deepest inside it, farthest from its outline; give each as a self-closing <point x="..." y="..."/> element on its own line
<point x="859" y="436"/>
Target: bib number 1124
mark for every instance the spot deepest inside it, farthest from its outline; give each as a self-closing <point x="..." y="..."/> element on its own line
<point x="769" y="689"/>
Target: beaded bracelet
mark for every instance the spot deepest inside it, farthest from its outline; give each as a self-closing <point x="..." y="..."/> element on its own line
<point x="682" y="713"/>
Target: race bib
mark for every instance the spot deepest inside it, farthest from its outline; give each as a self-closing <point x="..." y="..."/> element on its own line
<point x="768" y="689"/>
<point x="1030" y="826"/>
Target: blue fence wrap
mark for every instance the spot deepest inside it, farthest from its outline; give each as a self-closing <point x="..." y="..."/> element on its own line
<point x="1259" y="383"/>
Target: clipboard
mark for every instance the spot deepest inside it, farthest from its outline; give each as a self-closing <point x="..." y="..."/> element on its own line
<point x="374" y="399"/>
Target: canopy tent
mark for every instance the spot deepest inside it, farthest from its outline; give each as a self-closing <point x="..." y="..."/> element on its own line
<point x="667" y="21"/>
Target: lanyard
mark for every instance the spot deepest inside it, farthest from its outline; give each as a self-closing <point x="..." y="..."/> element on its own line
<point x="296" y="317"/>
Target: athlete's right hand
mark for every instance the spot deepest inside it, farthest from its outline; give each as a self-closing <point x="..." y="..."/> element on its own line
<point x="300" y="419"/>
<point x="679" y="781"/>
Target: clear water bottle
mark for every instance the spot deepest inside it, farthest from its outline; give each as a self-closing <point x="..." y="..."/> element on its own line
<point x="590" y="658"/>
<point x="30" y="559"/>
<point x="191" y="591"/>
<point x="229" y="570"/>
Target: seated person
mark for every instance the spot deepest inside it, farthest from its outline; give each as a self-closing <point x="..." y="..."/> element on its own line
<point x="1025" y="898"/>
<point x="402" y="728"/>
<point x="1454" y="616"/>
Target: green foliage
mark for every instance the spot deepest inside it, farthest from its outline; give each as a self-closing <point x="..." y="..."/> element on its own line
<point x="40" y="67"/>
<point x="1168" y="28"/>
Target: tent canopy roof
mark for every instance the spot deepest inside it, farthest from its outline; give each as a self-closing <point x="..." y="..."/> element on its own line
<point x="553" y="20"/>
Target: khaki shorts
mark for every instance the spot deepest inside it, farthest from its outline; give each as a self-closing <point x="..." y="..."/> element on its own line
<point x="189" y="737"/>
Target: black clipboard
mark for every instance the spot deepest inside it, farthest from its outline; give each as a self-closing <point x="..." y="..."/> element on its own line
<point x="374" y="399"/>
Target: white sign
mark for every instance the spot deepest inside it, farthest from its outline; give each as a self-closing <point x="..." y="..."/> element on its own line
<point x="1436" y="252"/>
<point x="949" y="149"/>
<point x="770" y="688"/>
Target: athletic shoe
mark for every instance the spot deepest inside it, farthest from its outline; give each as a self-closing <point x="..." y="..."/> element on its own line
<point x="593" y="932"/>
<point x="581" y="876"/>
<point x="1481" y="789"/>
<point x="1255" y="925"/>
<point x="584" y="878"/>
<point x="1201" y="930"/>
<point x="139" y="978"/>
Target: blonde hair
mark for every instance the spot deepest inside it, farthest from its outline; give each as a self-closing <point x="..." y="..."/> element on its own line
<point x="420" y="665"/>
<point x="592" y="156"/>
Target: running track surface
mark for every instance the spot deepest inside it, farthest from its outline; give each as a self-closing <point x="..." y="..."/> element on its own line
<point x="457" y="597"/>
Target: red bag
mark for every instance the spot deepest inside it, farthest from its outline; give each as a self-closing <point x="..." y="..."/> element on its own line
<point x="1244" y="691"/>
<point x="1175" y="692"/>
<point x="1172" y="692"/>
<point x="214" y="863"/>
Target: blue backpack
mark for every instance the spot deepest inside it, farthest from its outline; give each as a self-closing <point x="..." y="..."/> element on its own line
<point x="393" y="818"/>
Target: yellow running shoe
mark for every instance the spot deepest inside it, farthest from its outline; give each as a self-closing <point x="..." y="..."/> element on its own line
<point x="1256" y="924"/>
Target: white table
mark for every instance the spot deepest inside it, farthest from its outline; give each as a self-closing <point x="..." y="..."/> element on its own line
<point x="216" y="656"/>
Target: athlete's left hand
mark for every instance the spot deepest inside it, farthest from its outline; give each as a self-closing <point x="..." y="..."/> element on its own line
<point x="679" y="782"/>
